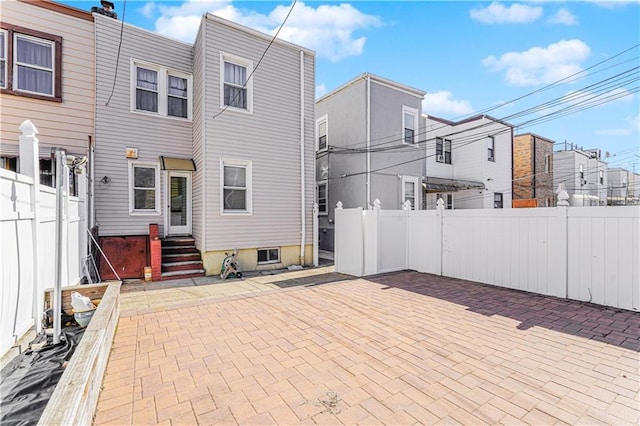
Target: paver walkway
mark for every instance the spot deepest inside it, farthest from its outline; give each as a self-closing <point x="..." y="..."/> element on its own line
<point x="403" y="348"/>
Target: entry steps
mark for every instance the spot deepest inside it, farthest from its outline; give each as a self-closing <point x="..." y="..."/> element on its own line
<point x="181" y="259"/>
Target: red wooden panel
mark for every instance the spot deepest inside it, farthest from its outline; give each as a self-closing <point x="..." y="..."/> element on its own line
<point x="128" y="255"/>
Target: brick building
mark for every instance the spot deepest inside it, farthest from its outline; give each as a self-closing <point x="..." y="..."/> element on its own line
<point x="532" y="171"/>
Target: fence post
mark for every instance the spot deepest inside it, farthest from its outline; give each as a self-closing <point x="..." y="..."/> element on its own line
<point x="563" y="237"/>
<point x="30" y="166"/>
<point x="439" y="234"/>
<point x="372" y="239"/>
<point x="406" y="206"/>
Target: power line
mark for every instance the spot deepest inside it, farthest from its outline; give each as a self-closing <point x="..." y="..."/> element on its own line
<point x="259" y="62"/>
<point x="115" y="75"/>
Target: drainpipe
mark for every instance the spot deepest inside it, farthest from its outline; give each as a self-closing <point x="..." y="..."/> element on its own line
<point x="303" y="227"/>
<point x="368" y="174"/>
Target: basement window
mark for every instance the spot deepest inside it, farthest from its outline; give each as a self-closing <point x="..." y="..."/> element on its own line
<point x="268" y="255"/>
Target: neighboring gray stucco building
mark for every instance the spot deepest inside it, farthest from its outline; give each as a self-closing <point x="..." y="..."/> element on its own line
<point x="584" y="175"/>
<point x="369" y="146"/>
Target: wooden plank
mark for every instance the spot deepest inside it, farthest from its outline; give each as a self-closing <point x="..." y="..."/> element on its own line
<point x="75" y="398"/>
<point x="92" y="291"/>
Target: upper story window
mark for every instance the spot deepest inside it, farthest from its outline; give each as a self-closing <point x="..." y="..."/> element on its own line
<point x="547" y="163"/>
<point x="581" y="169"/>
<point x="497" y="200"/>
<point x="443" y="150"/>
<point x="409" y="125"/>
<point x="491" y="151"/>
<point x="236" y="88"/>
<point x="321" y="131"/>
<point x="601" y="177"/>
<point x="235" y="182"/>
<point x="30" y="63"/>
<point x="160" y="91"/>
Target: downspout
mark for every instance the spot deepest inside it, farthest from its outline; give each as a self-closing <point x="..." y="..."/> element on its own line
<point x="92" y="188"/>
<point x="533" y="161"/>
<point x="368" y="168"/>
<point x="303" y="227"/>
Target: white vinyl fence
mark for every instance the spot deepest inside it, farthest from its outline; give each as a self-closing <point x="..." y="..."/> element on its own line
<point x="581" y="253"/>
<point x="28" y="235"/>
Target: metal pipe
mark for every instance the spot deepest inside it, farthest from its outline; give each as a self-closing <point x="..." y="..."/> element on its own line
<point x="57" y="293"/>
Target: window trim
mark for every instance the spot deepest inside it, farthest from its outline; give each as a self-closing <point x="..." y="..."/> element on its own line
<point x="11" y="31"/>
<point x="163" y="89"/>
<point x="248" y="64"/>
<point x="491" y="149"/>
<point x="247" y="164"/>
<point x="326" y="197"/>
<point x="132" y="210"/>
<point x="319" y="121"/>
<point x="5" y="58"/>
<point x="416" y="187"/>
<point x="268" y="262"/>
<point x="414" y="112"/>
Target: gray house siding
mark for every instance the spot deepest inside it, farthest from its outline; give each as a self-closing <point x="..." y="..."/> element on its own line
<point x="199" y="96"/>
<point x="118" y="128"/>
<point x="269" y="137"/>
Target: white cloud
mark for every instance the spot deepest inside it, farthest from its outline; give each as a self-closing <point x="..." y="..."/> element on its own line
<point x="498" y="13"/>
<point x="148" y="10"/>
<point x="327" y="29"/>
<point x="634" y="122"/>
<point x="321" y="89"/>
<point x="442" y="103"/>
<point x="632" y="126"/>
<point x="564" y="17"/>
<point x="541" y="65"/>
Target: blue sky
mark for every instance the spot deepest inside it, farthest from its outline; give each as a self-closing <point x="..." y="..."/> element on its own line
<point x="467" y="56"/>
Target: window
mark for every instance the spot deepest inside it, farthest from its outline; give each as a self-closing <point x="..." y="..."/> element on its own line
<point x="547" y="163"/>
<point x="178" y="101"/>
<point x="497" y="200"/>
<point x="160" y="91"/>
<point x="268" y="255"/>
<point x="3" y="59"/>
<point x="236" y="89"/>
<point x="30" y="63"/>
<point x="236" y="186"/>
<point x="144" y="185"/>
<point x="146" y="90"/>
<point x="581" y="172"/>
<point x="322" y="198"/>
<point x="443" y="150"/>
<point x="9" y="163"/>
<point x="410" y="191"/>
<point x="601" y="177"/>
<point x="409" y="124"/>
<point x="321" y="129"/>
<point x="491" y="149"/>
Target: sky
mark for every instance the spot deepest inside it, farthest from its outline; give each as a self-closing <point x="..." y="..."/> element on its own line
<point x="565" y="70"/>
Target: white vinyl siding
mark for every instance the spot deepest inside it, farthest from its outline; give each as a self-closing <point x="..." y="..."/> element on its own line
<point x="270" y="138"/>
<point x="235" y="176"/>
<point x="117" y="127"/>
<point x="235" y="86"/>
<point x="160" y="91"/>
<point x="409" y="125"/>
<point x="144" y="188"/>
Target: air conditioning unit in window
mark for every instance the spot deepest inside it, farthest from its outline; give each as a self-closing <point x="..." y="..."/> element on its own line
<point x="440" y="158"/>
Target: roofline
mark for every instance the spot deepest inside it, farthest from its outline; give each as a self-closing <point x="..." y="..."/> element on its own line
<point x="60" y="8"/>
<point x="153" y="33"/>
<point x="439" y="119"/>
<point x="481" y="116"/>
<point x="536" y="136"/>
<point x="377" y="79"/>
<point x="257" y="33"/>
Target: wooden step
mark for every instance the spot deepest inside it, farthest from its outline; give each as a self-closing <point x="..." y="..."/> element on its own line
<point x="176" y="275"/>
<point x="181" y="266"/>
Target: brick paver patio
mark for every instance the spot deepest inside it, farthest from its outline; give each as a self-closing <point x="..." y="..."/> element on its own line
<point x="402" y="348"/>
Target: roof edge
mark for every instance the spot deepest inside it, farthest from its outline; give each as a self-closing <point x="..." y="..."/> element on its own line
<point x="60" y="8"/>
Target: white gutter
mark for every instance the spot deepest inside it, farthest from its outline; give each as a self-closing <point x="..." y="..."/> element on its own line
<point x="368" y="175"/>
<point x="303" y="230"/>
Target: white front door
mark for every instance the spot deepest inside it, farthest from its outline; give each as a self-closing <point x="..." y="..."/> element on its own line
<point x="178" y="209"/>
